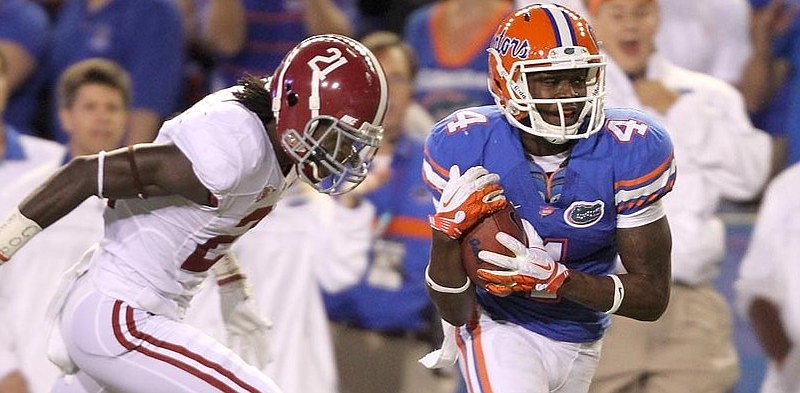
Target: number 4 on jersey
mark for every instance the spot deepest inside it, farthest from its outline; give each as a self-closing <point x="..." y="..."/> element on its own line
<point x="624" y="130"/>
<point x="463" y="120"/>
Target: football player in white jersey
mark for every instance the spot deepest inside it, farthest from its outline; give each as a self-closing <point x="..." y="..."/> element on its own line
<point x="176" y="205"/>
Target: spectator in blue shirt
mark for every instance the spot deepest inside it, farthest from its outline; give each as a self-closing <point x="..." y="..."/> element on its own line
<point x="145" y="37"/>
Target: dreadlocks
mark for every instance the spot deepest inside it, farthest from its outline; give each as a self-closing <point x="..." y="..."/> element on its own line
<point x="255" y="97"/>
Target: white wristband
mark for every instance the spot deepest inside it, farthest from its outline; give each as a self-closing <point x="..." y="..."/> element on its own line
<point x="14" y="233"/>
<point x="439" y="288"/>
<point x="101" y="160"/>
<point x="619" y="294"/>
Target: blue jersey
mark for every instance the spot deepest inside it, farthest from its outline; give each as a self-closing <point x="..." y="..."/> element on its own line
<point x="620" y="170"/>
<point x="145" y="37"/>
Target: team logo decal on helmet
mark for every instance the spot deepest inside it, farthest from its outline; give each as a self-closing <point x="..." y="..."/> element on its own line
<point x="511" y="46"/>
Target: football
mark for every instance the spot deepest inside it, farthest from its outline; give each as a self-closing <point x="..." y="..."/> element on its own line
<point x="482" y="237"/>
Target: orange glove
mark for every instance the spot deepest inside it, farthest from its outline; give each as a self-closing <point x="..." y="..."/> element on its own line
<point x="466" y="199"/>
<point x="531" y="270"/>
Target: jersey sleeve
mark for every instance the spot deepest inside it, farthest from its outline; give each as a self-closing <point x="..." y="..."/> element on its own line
<point x="457" y="139"/>
<point x="644" y="162"/>
<point x="221" y="144"/>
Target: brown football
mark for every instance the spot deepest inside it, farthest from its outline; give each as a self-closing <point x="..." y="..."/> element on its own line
<point x="482" y="237"/>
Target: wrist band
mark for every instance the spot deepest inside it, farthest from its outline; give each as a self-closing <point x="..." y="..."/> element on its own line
<point x="101" y="160"/>
<point x="619" y="294"/>
<point x="439" y="288"/>
<point x="14" y="233"/>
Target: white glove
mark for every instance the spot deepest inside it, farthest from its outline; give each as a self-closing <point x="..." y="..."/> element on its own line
<point x="531" y="270"/>
<point x="247" y="328"/>
<point x="466" y="199"/>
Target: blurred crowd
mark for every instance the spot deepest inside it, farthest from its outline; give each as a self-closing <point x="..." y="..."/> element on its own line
<point x="81" y="76"/>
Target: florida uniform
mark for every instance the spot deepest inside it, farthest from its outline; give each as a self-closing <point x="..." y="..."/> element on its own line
<point x="607" y="180"/>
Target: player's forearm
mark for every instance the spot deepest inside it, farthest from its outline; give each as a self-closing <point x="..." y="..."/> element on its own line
<point x="62" y="192"/>
<point x="644" y="292"/>
<point x="448" y="285"/>
<point x="645" y="298"/>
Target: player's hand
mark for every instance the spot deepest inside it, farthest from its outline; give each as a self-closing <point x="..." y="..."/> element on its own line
<point x="531" y="270"/>
<point x="247" y="328"/>
<point x="466" y="199"/>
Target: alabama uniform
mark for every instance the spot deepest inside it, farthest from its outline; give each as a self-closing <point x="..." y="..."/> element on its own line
<point x="122" y="316"/>
<point x="614" y="173"/>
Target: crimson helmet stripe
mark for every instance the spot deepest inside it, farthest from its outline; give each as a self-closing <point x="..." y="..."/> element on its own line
<point x="565" y="33"/>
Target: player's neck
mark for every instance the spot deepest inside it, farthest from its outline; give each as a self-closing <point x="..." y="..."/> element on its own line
<point x="538" y="146"/>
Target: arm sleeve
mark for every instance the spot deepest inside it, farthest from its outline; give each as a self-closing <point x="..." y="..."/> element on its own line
<point x="645" y="168"/>
<point x="444" y="149"/>
<point x="222" y="153"/>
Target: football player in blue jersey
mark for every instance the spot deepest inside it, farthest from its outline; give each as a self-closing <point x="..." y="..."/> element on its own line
<point x="588" y="182"/>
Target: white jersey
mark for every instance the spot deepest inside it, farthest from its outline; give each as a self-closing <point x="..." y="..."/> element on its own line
<point x="719" y="153"/>
<point x="771" y="269"/>
<point x="307" y="244"/>
<point x="157" y="251"/>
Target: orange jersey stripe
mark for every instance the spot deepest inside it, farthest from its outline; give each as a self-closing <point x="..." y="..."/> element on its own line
<point x="442" y="171"/>
<point x="647" y="177"/>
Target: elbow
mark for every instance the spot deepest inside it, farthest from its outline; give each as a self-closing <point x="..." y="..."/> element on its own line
<point x="656" y="309"/>
<point x="80" y="175"/>
<point x="80" y="168"/>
